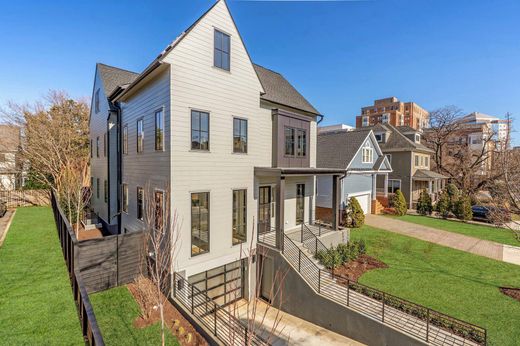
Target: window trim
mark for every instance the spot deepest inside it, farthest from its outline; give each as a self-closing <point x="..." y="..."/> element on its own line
<point x="371" y="156"/>
<point x="209" y="224"/>
<point x="125" y="139"/>
<point x="241" y="119"/>
<point x="400" y="184"/>
<point x="124" y="198"/>
<point x="215" y="31"/>
<point x="191" y="130"/>
<point x="161" y="111"/>
<point x="295" y="141"/>
<point x="137" y="136"/>
<point x="233" y="243"/>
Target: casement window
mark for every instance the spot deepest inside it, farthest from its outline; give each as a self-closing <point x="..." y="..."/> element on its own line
<point x="140" y="135"/>
<point x="368" y="154"/>
<point x="222" y="50"/>
<point x="125" y="198"/>
<point x="105" y="190"/>
<point x="394" y="185"/>
<point x="301" y="144"/>
<point x="159" y="130"/>
<point x="295" y="142"/>
<point x="105" y="145"/>
<point x="96" y="101"/>
<point x="159" y="210"/>
<point x="199" y="223"/>
<point x="239" y="216"/>
<point x="289" y="141"/>
<point x="97" y="146"/>
<point x="239" y="135"/>
<point x="300" y="203"/>
<point x="199" y="130"/>
<point x="125" y="139"/>
<point x="140" y="205"/>
<point x="97" y="188"/>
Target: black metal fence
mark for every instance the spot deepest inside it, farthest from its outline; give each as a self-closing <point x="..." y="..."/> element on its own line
<point x="68" y="241"/>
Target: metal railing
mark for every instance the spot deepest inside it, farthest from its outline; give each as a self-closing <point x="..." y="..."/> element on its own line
<point x="68" y="242"/>
<point x="310" y="240"/>
<point x="267" y="237"/>
<point x="419" y="321"/>
<point x="219" y="321"/>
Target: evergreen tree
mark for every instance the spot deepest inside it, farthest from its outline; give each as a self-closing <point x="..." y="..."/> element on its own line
<point x="355" y="213"/>
<point x="462" y="208"/>
<point x="424" y="204"/>
<point x="399" y="203"/>
<point x="453" y="194"/>
<point x="443" y="205"/>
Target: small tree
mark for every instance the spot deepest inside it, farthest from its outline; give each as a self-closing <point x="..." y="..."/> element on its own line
<point x="453" y="196"/>
<point x="443" y="205"/>
<point x="399" y="203"/>
<point x="355" y="213"/>
<point x="424" y="204"/>
<point x="462" y="209"/>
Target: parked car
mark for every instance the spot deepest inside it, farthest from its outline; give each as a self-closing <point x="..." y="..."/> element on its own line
<point x="3" y="208"/>
<point x="490" y="214"/>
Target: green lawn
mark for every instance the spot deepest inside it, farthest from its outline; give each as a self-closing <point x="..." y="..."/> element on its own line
<point x="460" y="284"/>
<point x="116" y="310"/>
<point x="36" y="304"/>
<point x="496" y="234"/>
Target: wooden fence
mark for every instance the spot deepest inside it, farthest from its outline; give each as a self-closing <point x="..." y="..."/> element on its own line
<point x="24" y="198"/>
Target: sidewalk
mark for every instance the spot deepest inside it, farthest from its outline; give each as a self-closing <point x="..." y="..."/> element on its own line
<point x="453" y="240"/>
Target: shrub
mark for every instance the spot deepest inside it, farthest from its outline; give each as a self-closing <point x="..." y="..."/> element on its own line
<point x="399" y="203"/>
<point x="453" y="196"/>
<point x="462" y="208"/>
<point x="330" y="258"/>
<point x="362" y="247"/>
<point x="355" y="213"/>
<point x="443" y="205"/>
<point x="344" y="252"/>
<point x="424" y="204"/>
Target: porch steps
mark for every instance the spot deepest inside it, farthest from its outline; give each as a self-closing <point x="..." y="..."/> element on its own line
<point x="377" y="206"/>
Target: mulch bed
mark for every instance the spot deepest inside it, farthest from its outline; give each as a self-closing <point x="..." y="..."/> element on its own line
<point x="86" y="235"/>
<point x="354" y="269"/>
<point x="511" y="292"/>
<point x="175" y="321"/>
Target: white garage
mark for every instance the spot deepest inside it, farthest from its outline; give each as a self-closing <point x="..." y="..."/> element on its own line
<point x="364" y="201"/>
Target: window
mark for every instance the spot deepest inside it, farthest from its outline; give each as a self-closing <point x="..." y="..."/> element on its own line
<point x="365" y="121"/>
<point x="239" y="216"/>
<point x="368" y="154"/>
<point x="105" y="145"/>
<point x="222" y="50"/>
<point x="426" y="162"/>
<point x="96" y="101"/>
<point x="380" y="137"/>
<point x="199" y="130"/>
<point x="140" y="206"/>
<point x="159" y="210"/>
<point x="125" y="139"/>
<point x="417" y="138"/>
<point x="159" y="130"/>
<point x="289" y="141"/>
<point x="97" y="188"/>
<point x="401" y="120"/>
<point x="416" y="160"/>
<point x="394" y="185"/>
<point x="140" y="135"/>
<point x="300" y="203"/>
<point x="125" y="198"/>
<point x="97" y="146"/>
<point x="301" y="149"/>
<point x="239" y="135"/>
<point x="105" y="190"/>
<point x="199" y="223"/>
<point x="91" y="184"/>
<point x="385" y="117"/>
<point x="91" y="148"/>
<point x="389" y="158"/>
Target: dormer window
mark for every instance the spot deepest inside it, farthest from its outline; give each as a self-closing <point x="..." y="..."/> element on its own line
<point x="380" y="137"/>
<point x="417" y="138"/>
<point x="368" y="154"/>
<point x="222" y="50"/>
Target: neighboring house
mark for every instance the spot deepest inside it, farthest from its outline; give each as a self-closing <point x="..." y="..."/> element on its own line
<point x="394" y="112"/>
<point x="358" y="153"/>
<point x="410" y="161"/>
<point x="11" y="172"/>
<point x="228" y="144"/>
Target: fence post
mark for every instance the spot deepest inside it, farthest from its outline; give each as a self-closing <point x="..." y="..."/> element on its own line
<point x="319" y="280"/>
<point x="301" y="234"/>
<point x="316" y="249"/>
<point x="192" y="299"/>
<point x="427" y="324"/>
<point x="174" y="285"/>
<point x="383" y="314"/>
<point x="245" y="339"/>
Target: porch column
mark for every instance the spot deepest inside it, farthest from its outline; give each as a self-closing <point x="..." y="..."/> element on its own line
<point x="280" y="200"/>
<point x="430" y="187"/>
<point x="374" y="188"/>
<point x="386" y="185"/>
<point x="335" y="202"/>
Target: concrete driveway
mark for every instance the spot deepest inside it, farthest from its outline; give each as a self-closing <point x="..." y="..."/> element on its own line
<point x="457" y="241"/>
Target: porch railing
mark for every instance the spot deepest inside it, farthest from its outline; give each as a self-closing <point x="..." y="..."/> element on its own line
<point x="310" y="240"/>
<point x="413" y="319"/>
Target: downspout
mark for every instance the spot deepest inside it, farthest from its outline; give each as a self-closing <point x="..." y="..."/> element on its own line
<point x="119" y="165"/>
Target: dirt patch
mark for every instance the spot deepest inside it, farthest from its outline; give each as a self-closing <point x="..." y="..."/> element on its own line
<point x="354" y="269"/>
<point x="175" y="321"/>
<point x="511" y="292"/>
<point x="86" y="235"/>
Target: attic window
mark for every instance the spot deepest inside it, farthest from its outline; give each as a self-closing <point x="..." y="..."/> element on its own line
<point x="96" y="101"/>
<point x="417" y="138"/>
<point x="222" y="50"/>
<point x="368" y="154"/>
<point x="380" y="137"/>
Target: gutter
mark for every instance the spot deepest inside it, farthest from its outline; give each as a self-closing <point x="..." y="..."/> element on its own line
<point x="119" y="92"/>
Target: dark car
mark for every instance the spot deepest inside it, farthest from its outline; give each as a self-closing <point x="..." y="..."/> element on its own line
<point x="490" y="214"/>
<point x="3" y="208"/>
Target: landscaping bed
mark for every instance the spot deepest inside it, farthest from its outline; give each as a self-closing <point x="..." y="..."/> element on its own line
<point x="511" y="292"/>
<point x="354" y="269"/>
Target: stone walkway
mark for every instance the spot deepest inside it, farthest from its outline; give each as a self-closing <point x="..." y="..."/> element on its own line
<point x="5" y="222"/>
<point x="457" y="241"/>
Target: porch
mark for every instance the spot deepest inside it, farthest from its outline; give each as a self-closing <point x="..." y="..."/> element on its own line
<point x="433" y="182"/>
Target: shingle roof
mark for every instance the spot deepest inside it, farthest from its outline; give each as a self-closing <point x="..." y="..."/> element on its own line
<point x="279" y="90"/>
<point x="113" y="77"/>
<point x="427" y="174"/>
<point x="337" y="149"/>
<point x="397" y="141"/>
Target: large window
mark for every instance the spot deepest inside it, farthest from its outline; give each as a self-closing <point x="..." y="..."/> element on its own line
<point x="140" y="205"/>
<point x="199" y="130"/>
<point x="222" y="50"/>
<point x="295" y="142"/>
<point x="394" y="185"/>
<point x="289" y="141"/>
<point x="97" y="188"/>
<point x="300" y="203"/>
<point x="239" y="216"/>
<point x="416" y="160"/>
<point x="159" y="211"/>
<point x="368" y="155"/>
<point x="239" y="135"/>
<point x="125" y="139"/>
<point x="159" y="130"/>
<point x="199" y="223"/>
<point x="125" y="198"/>
<point x="140" y="135"/>
<point x="97" y="146"/>
<point x="301" y="148"/>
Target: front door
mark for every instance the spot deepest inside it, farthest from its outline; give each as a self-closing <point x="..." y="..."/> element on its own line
<point x="264" y="209"/>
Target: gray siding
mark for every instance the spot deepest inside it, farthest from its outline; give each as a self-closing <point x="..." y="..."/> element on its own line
<point x="357" y="161"/>
<point x="401" y="165"/>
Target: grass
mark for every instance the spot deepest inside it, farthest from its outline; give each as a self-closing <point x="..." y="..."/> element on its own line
<point x="36" y="303"/>
<point x="456" y="283"/>
<point x="116" y="310"/>
<point x="496" y="234"/>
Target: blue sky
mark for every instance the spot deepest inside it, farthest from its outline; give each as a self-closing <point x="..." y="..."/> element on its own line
<point x="340" y="54"/>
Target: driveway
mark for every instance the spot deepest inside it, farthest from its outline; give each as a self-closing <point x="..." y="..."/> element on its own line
<point x="457" y="241"/>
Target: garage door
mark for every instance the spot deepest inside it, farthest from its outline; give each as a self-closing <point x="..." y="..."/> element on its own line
<point x="364" y="201"/>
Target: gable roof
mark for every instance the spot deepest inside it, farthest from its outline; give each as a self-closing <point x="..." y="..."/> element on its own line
<point x="112" y="77"/>
<point x="278" y="90"/>
<point x="397" y="141"/>
<point x="337" y="149"/>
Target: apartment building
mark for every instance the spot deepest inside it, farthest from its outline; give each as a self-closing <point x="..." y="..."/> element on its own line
<point x="394" y="112"/>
